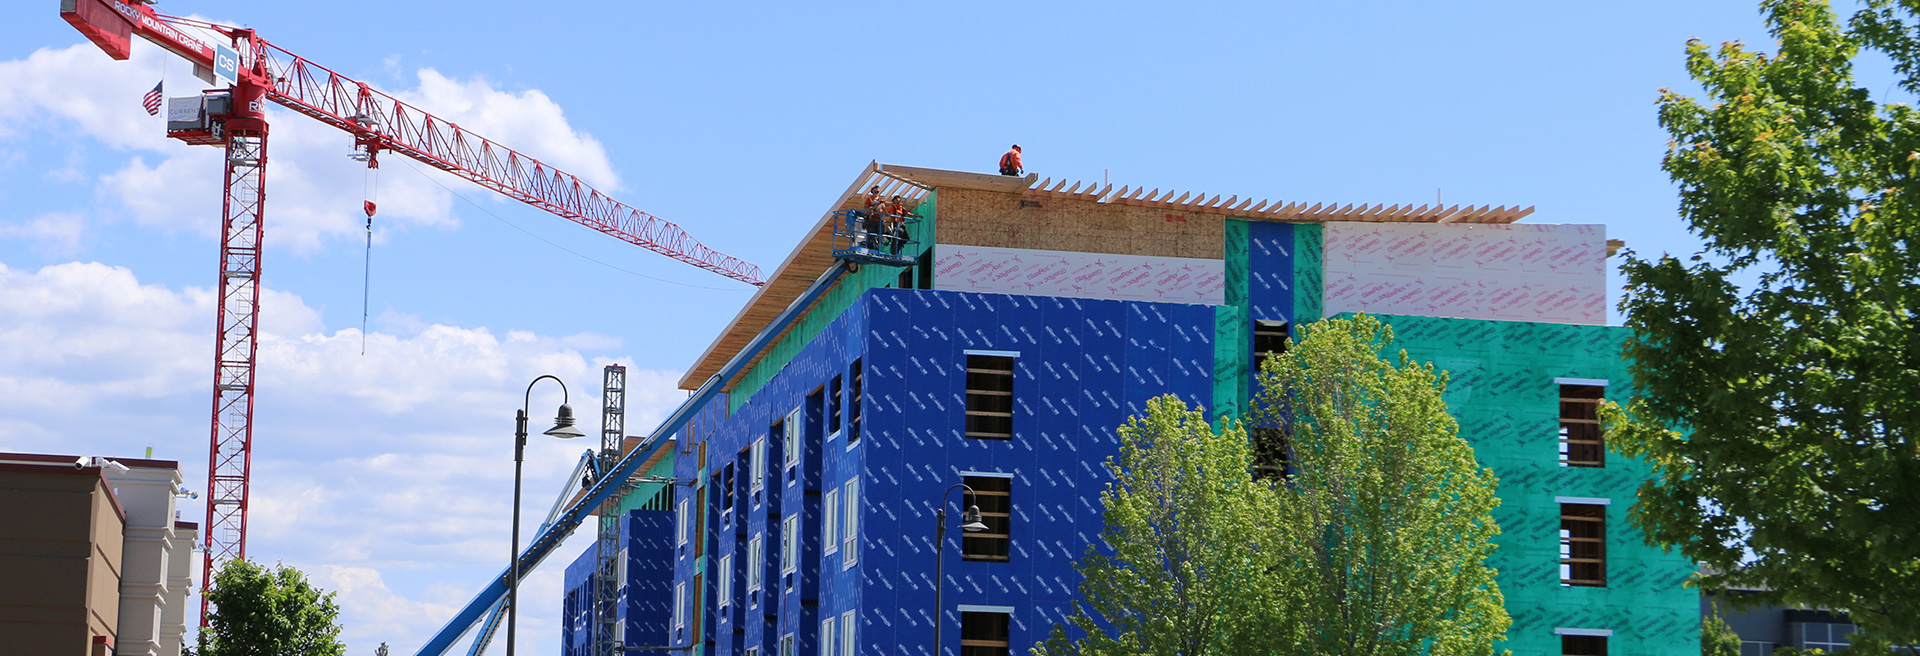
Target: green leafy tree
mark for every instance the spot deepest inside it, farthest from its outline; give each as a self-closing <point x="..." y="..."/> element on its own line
<point x="1193" y="550"/>
<point x="1387" y="515"/>
<point x="1376" y="546"/>
<point x="257" y="612"/>
<point x="1779" y="414"/>
<point x="1718" y="639"/>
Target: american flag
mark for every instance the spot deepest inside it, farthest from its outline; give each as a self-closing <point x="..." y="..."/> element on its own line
<point x="152" y="101"/>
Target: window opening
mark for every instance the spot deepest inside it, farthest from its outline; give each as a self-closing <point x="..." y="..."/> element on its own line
<point x="854" y="401"/>
<point x="756" y="563"/>
<point x="833" y="406"/>
<point x="850" y="543"/>
<point x="846" y="634"/>
<point x="726" y="581"/>
<point x="826" y="637"/>
<point x="680" y="605"/>
<point x="1269" y="339"/>
<point x="1583" y="545"/>
<point x="1581" y="442"/>
<point x="990" y="397"/>
<point x="789" y="544"/>
<point x="1580" y="645"/>
<point x="726" y="488"/>
<point x="1272" y="452"/>
<point x="786" y="645"/>
<point x="830" y="522"/>
<point x="994" y="495"/>
<point x="791" y="434"/>
<point x="758" y="454"/>
<point x="682" y="522"/>
<point x="983" y="634"/>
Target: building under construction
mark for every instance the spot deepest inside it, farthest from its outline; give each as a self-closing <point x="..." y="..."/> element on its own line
<point x="997" y="336"/>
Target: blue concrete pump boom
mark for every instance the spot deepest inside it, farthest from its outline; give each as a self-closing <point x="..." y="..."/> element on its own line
<point x="550" y="537"/>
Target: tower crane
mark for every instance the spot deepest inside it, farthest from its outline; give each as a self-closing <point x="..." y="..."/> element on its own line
<point x="235" y="118"/>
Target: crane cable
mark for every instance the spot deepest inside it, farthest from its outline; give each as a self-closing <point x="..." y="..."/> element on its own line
<point x="370" y="188"/>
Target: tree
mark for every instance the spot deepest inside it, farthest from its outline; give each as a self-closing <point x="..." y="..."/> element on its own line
<point x="1386" y="514"/>
<point x="1375" y="545"/>
<point x="1776" y="370"/>
<point x="260" y="613"/>
<point x="1718" y="639"/>
<point x="1192" y="553"/>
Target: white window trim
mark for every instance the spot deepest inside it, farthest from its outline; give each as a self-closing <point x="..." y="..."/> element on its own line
<point x="965" y="474"/>
<point x="830" y="524"/>
<point x="793" y="434"/>
<point x="1592" y="633"/>
<point x="1595" y="382"/>
<point x="680" y="606"/>
<point x="997" y="354"/>
<point x="758" y="468"/>
<point x="828" y="641"/>
<point x="971" y="608"/>
<point x="850" y="525"/>
<point x="847" y="642"/>
<point x="787" y="645"/>
<point x="1585" y="501"/>
<point x="684" y="521"/>
<point x="790" y="544"/>
<point x="726" y="581"/>
<point x="756" y="562"/>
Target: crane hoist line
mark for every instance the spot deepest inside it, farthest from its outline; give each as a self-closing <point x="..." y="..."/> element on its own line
<point x="259" y="72"/>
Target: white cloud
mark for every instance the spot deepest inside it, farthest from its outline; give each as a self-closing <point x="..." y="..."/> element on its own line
<point x="53" y="233"/>
<point x="387" y="477"/>
<point x="314" y="190"/>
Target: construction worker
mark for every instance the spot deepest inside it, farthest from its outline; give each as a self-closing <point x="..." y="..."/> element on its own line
<point x="896" y="224"/>
<point x="870" y="221"/>
<point x="1010" y="162"/>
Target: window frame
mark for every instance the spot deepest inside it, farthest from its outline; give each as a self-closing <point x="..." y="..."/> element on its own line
<point x="856" y="398"/>
<point x="834" y="408"/>
<point x="679" y="606"/>
<point x="830" y="522"/>
<point x="757" y="465"/>
<point x="682" y="522"/>
<point x="756" y="563"/>
<point x="1584" y="568"/>
<point x="847" y="642"/>
<point x="789" y="544"/>
<point x="1582" y="441"/>
<point x="791" y="437"/>
<point x="827" y="638"/>
<point x="725" y="582"/>
<point x="850" y="524"/>
<point x="981" y="368"/>
<point x="1001" y="647"/>
<point x="980" y="547"/>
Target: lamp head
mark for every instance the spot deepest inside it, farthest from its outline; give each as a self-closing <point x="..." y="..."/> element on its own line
<point x="971" y="520"/>
<point x="563" y="424"/>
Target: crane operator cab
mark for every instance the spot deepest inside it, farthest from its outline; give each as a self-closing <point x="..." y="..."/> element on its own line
<point x="877" y="233"/>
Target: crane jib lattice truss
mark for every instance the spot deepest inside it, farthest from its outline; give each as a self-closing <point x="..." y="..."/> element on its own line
<point x="261" y="72"/>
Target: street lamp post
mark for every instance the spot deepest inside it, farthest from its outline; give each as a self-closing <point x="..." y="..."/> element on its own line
<point x="970" y="522"/>
<point x="562" y="428"/>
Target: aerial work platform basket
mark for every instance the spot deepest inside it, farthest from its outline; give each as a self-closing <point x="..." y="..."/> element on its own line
<point x="869" y="237"/>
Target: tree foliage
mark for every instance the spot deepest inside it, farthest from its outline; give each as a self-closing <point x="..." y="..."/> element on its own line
<point x="1192" y="547"/>
<point x="1388" y="517"/>
<point x="1375" y="547"/>
<point x="1718" y="639"/>
<point x="1779" y="415"/>
<point x="257" y="612"/>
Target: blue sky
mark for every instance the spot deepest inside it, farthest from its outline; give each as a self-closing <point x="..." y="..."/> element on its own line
<point x="387" y="475"/>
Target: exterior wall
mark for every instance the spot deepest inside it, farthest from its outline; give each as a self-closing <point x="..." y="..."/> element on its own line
<point x="59" y="559"/>
<point x="147" y="494"/>
<point x="645" y="609"/>
<point x="173" y="616"/>
<point x="975" y="217"/>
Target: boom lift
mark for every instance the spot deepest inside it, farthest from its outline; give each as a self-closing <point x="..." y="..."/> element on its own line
<point x="235" y="118"/>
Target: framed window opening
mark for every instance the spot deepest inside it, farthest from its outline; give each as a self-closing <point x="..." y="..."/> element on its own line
<point x="833" y="407"/>
<point x="757" y="457"/>
<point x="826" y="636"/>
<point x="1269" y="339"/>
<point x="725" y="578"/>
<point x="791" y="436"/>
<point x="1583" y="545"/>
<point x="786" y="645"/>
<point x="756" y="562"/>
<point x="984" y="633"/>
<point x="830" y="522"/>
<point x="846" y="634"/>
<point x="1582" y="444"/>
<point x="726" y="488"/>
<point x="990" y="395"/>
<point x="682" y="522"/>
<point x="854" y="401"/>
<point x="789" y="544"/>
<point x="680" y="606"/>
<point x="850" y="520"/>
<point x="1272" y="452"/>
<point x="1583" y="645"/>
<point x="994" y="495"/>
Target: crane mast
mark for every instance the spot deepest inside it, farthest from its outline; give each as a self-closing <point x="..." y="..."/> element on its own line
<point x="236" y="120"/>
